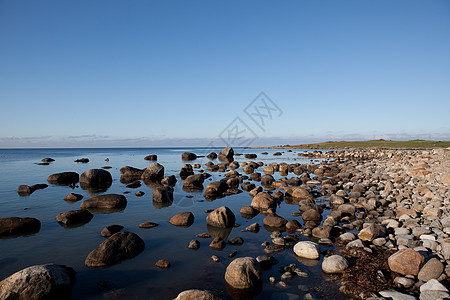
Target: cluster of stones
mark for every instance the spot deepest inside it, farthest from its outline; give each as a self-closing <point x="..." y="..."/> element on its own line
<point x="384" y="199"/>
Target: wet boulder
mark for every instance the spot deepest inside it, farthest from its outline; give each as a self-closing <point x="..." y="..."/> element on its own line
<point x="39" y="282"/>
<point x="194" y="181"/>
<point x="110" y="230"/>
<point x="72" y="197"/>
<point x="183" y="219"/>
<point x="118" y="247"/>
<point x="151" y="157"/>
<point x="73" y="217"/>
<point x="267" y="180"/>
<point x="63" y="178"/>
<point x="25" y="190"/>
<point x="96" y="177"/>
<point x="18" y="226"/>
<point x="221" y="217"/>
<point x="212" y="155"/>
<point x="244" y="273"/>
<point x="169" y="180"/>
<point x="131" y="172"/>
<point x="163" y="194"/>
<point x="186" y="171"/>
<point x="154" y="172"/>
<point x="107" y="201"/>
<point x="274" y="220"/>
<point x="227" y="154"/>
<point x="188" y="156"/>
<point x="263" y="201"/>
<point x="215" y="189"/>
<point x="197" y="295"/>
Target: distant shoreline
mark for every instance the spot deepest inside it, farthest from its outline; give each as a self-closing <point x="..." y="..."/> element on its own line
<point x="379" y="144"/>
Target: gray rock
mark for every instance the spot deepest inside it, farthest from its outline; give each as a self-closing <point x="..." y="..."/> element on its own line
<point x="431" y="270"/>
<point x="394" y="295"/>
<point x="39" y="282"/>
<point x="334" y="264"/>
<point x="244" y="273"/>
<point x="197" y="295"/>
<point x="194" y="244"/>
<point x="432" y="290"/>
<point x="355" y="243"/>
<point x="307" y="249"/>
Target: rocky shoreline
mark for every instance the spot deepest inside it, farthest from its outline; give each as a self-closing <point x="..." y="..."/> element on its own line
<point x="379" y="219"/>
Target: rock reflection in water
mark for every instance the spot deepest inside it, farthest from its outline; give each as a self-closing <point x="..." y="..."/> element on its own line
<point x="215" y="232"/>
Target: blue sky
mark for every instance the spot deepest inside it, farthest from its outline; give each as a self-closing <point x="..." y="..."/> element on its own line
<point x="177" y="73"/>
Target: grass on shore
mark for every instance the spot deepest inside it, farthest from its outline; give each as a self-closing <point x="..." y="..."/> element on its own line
<point x="386" y="144"/>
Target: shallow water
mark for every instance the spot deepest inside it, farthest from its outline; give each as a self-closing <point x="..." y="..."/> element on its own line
<point x="138" y="278"/>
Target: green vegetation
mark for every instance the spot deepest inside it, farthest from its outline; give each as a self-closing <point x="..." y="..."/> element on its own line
<point x="383" y="144"/>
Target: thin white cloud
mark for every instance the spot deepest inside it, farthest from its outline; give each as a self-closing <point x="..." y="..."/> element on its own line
<point x="98" y="141"/>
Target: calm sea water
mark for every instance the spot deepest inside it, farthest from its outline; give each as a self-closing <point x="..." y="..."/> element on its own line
<point x="138" y="278"/>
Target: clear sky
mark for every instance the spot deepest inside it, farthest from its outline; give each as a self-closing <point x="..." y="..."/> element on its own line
<point x="177" y="73"/>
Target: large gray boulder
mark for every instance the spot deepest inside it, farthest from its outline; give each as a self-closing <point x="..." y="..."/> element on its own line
<point x="118" y="247"/>
<point x="18" y="226"/>
<point x="244" y="273"/>
<point x="39" y="282"/>
<point x="221" y="217"/>
<point x="107" y="201"/>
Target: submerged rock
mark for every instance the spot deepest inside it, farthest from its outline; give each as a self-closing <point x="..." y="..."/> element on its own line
<point x="110" y="230"/>
<point x="107" y="201"/>
<point x="19" y="226"/>
<point x="118" y="247"/>
<point x="74" y="217"/>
